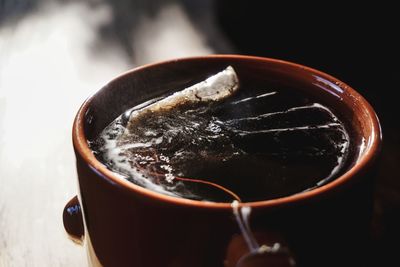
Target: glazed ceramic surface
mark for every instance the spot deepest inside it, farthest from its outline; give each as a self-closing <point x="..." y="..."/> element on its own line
<point x="127" y="225"/>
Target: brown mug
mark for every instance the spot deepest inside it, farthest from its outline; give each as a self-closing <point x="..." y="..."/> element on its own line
<point x="122" y="224"/>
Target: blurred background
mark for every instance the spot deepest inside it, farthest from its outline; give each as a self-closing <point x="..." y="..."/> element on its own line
<point x="55" y="53"/>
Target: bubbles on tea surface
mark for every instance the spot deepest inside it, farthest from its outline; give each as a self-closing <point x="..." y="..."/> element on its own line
<point x="162" y="146"/>
<point x="249" y="144"/>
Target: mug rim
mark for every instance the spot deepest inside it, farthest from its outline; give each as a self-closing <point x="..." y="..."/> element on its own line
<point x="366" y="158"/>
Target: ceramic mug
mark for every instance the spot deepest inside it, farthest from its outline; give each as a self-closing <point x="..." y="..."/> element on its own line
<point x="122" y="224"/>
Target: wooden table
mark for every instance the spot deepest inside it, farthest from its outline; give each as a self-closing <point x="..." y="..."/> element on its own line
<point x="46" y="72"/>
<point x="52" y="57"/>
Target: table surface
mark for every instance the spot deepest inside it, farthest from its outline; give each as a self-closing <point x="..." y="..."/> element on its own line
<point x="43" y="80"/>
<point x="52" y="57"/>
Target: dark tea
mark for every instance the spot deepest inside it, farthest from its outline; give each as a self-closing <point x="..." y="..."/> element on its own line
<point x="250" y="142"/>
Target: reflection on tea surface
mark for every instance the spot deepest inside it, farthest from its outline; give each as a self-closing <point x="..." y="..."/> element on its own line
<point x="218" y="141"/>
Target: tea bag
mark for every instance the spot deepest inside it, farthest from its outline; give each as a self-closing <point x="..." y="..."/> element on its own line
<point x="215" y="88"/>
<point x="166" y="132"/>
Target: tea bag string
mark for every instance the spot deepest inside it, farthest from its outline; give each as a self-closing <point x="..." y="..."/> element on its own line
<point x="242" y="217"/>
<point x="207" y="183"/>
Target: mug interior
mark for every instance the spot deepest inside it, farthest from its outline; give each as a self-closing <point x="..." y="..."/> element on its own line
<point x="145" y="83"/>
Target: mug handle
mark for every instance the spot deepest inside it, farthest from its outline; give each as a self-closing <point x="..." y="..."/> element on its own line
<point x="73" y="221"/>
